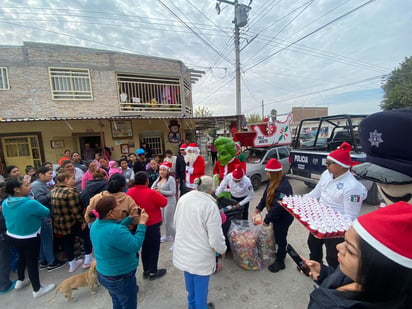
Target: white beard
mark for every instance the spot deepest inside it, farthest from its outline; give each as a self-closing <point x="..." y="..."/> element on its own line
<point x="191" y="158"/>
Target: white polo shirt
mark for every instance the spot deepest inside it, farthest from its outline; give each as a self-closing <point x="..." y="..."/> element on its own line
<point x="243" y="188"/>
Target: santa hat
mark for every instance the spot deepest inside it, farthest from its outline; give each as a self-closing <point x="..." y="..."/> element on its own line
<point x="389" y="231"/>
<point x="341" y="155"/>
<point x="166" y="164"/>
<point x="273" y="165"/>
<point x="183" y="146"/>
<point x="238" y="173"/>
<point x="193" y="147"/>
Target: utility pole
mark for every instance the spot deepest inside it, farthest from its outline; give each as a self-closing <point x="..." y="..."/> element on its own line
<point x="263" y="111"/>
<point x="241" y="14"/>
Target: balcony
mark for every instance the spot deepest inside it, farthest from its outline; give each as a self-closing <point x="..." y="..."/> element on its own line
<point x="152" y="94"/>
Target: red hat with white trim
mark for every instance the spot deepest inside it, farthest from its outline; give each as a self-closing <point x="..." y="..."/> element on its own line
<point x="193" y="147"/>
<point x="166" y="164"/>
<point x="341" y="155"/>
<point x="389" y="231"/>
<point x="273" y="165"/>
<point x="238" y="173"/>
<point x="183" y="146"/>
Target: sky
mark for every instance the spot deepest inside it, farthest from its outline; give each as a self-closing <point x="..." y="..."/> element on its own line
<point x="305" y="53"/>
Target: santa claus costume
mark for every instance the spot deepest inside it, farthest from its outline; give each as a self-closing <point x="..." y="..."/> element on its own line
<point x="226" y="169"/>
<point x="195" y="165"/>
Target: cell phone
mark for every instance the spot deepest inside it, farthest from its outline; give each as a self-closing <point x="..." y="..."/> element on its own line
<point x="139" y="211"/>
<point x="298" y="260"/>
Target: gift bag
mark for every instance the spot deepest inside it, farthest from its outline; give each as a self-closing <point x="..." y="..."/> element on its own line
<point x="243" y="238"/>
<point x="266" y="244"/>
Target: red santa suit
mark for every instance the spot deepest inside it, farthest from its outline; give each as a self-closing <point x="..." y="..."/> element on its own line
<point x="195" y="171"/>
<point x="227" y="169"/>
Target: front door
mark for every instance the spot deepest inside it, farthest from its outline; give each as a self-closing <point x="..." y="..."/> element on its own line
<point x="21" y="151"/>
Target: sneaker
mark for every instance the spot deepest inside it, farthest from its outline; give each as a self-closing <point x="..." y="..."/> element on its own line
<point x="75" y="265"/>
<point x="275" y="267"/>
<point x="13" y="284"/>
<point x="44" y="289"/>
<point x="43" y="266"/>
<point x="56" y="265"/>
<point x="164" y="238"/>
<point x="160" y="273"/>
<point x="21" y="283"/>
<point x="172" y="247"/>
<point x="145" y="275"/>
<point x="87" y="265"/>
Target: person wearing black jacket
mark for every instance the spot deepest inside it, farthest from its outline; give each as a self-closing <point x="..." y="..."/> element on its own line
<point x="280" y="218"/>
<point x="96" y="185"/>
<point x="181" y="172"/>
<point x="140" y="164"/>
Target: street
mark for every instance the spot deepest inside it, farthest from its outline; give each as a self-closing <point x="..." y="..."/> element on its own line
<point x="233" y="287"/>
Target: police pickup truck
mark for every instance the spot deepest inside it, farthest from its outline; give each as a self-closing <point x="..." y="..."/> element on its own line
<point x="308" y="157"/>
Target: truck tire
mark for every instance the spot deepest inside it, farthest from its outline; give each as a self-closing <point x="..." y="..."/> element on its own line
<point x="373" y="197"/>
<point x="256" y="180"/>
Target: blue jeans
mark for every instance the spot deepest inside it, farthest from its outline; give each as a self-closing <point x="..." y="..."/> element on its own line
<point x="122" y="289"/>
<point x="197" y="288"/>
<point x="46" y="242"/>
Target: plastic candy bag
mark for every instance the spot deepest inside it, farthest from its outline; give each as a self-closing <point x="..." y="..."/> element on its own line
<point x="266" y="244"/>
<point x="243" y="238"/>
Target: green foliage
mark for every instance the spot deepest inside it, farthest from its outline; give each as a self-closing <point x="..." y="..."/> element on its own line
<point x="254" y="118"/>
<point x="398" y="87"/>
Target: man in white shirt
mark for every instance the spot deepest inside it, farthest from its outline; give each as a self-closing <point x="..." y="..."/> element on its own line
<point x="338" y="189"/>
<point x="198" y="237"/>
<point x="240" y="187"/>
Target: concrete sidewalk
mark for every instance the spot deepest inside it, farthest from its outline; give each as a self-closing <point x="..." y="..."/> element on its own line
<point x="233" y="287"/>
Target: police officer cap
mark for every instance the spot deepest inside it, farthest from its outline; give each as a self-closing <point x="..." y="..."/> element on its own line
<point x="385" y="138"/>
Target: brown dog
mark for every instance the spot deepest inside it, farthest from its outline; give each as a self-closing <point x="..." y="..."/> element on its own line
<point x="87" y="279"/>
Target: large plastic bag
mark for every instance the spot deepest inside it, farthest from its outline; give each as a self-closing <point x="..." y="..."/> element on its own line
<point x="243" y="237"/>
<point x="266" y="244"/>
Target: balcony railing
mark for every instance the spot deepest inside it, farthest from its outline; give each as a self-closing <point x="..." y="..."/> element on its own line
<point x="146" y="95"/>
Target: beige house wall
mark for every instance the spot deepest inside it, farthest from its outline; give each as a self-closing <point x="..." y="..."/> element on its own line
<point x="71" y="130"/>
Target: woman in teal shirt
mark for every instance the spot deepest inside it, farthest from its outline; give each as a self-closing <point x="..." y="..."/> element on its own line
<point x="115" y="250"/>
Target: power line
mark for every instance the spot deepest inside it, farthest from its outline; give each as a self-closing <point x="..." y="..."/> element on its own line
<point x="309" y="34"/>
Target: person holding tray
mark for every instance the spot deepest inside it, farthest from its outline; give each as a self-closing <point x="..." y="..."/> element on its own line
<point x="277" y="186"/>
<point x="338" y="189"/>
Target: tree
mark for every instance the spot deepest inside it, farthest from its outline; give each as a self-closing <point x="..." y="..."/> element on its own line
<point x="254" y="118"/>
<point x="398" y="87"/>
<point x="202" y="111"/>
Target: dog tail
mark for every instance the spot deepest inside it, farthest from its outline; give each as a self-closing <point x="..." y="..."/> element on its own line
<point x="55" y="293"/>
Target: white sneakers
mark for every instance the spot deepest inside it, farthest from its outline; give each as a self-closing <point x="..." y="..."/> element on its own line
<point x="44" y="289"/>
<point x="73" y="265"/>
<point x="166" y="238"/>
<point x="21" y="283"/>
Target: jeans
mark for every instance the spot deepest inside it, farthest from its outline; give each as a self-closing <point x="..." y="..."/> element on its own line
<point x="5" y="265"/>
<point x="46" y="242"/>
<point x="122" y="289"/>
<point x="28" y="250"/>
<point x="151" y="248"/>
<point x="197" y="288"/>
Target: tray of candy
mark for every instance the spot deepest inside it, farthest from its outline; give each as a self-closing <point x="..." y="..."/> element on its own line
<point x="321" y="220"/>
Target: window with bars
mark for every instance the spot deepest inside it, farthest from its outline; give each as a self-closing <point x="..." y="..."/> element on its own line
<point x="137" y="92"/>
<point x="154" y="143"/>
<point x="70" y="84"/>
<point x="4" y="79"/>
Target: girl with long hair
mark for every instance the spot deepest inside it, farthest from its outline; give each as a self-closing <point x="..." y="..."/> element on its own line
<point x="277" y="186"/>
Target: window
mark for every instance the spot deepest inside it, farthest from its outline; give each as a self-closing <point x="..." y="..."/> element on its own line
<point x="4" y="79"/>
<point x="154" y="143"/>
<point x="138" y="92"/>
<point x="70" y="84"/>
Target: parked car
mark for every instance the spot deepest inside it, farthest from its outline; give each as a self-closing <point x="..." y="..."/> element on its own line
<point x="256" y="159"/>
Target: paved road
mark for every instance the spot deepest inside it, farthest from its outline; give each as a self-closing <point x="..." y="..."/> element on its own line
<point x="231" y="288"/>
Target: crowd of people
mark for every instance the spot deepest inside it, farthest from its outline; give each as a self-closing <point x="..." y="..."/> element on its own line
<point x="117" y="209"/>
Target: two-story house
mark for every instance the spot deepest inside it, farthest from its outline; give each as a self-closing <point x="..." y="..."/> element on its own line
<point x="55" y="97"/>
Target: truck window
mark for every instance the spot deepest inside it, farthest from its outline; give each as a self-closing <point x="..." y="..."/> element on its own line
<point x="283" y="153"/>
